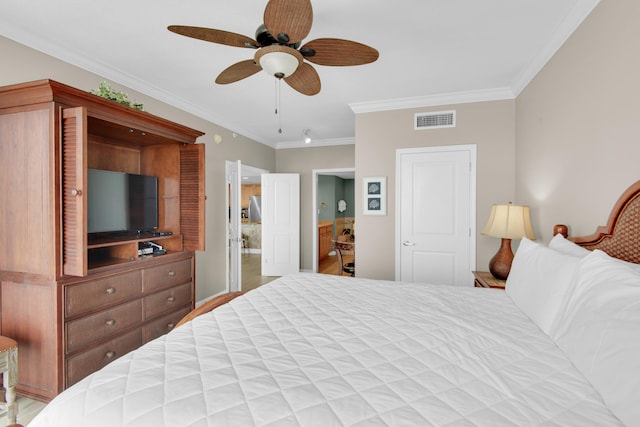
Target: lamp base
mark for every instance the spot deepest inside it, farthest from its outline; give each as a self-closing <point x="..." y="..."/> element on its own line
<point x="500" y="264"/>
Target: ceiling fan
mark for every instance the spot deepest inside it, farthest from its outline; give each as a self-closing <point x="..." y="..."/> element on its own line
<point x="279" y="51"/>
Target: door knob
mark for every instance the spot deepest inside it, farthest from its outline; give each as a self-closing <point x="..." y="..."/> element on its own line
<point x="407" y="243"/>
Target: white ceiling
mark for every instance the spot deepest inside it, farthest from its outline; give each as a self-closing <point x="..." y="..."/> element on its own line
<point x="431" y="52"/>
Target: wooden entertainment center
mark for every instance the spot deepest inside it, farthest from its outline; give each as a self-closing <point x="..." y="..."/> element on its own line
<point x="74" y="304"/>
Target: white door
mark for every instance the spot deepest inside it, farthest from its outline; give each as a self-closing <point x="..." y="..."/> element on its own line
<point x="234" y="238"/>
<point x="280" y="224"/>
<point x="436" y="215"/>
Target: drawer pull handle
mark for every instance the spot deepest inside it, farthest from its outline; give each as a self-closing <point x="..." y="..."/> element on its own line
<point x="110" y="322"/>
<point x="172" y="273"/>
<point x="111" y="290"/>
<point x="171" y="299"/>
<point x="110" y="354"/>
<point x="170" y="326"/>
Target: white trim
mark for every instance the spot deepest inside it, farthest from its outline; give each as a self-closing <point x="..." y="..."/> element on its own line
<point x="227" y="202"/>
<point x="116" y="75"/>
<point x="49" y="47"/>
<point x="565" y="30"/>
<point x="497" y="94"/>
<point x="249" y="170"/>
<point x="315" y="143"/>
<point x="314" y="211"/>
<point x="473" y="151"/>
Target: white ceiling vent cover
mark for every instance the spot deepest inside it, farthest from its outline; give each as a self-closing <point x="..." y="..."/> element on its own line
<point x="435" y="120"/>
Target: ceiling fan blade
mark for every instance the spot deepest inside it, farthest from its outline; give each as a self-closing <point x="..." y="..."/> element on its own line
<point x="214" y="36"/>
<point x="338" y="52"/>
<point x="305" y="80"/>
<point x="290" y="17"/>
<point x="238" y="71"/>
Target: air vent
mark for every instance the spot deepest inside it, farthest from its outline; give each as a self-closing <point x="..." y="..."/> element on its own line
<point x="435" y="120"/>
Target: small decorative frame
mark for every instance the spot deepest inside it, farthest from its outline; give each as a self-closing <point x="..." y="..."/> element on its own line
<point x="374" y="190"/>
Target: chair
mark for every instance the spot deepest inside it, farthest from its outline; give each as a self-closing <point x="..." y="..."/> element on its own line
<point x="349" y="267"/>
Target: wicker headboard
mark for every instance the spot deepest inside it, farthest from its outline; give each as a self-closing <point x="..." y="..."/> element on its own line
<point x="620" y="238"/>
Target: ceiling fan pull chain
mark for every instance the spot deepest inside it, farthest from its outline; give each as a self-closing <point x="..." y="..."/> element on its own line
<point x="276" y="95"/>
<point x="278" y="112"/>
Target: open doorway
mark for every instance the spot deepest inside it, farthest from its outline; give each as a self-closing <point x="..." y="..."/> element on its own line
<point x="333" y="219"/>
<point x="244" y="227"/>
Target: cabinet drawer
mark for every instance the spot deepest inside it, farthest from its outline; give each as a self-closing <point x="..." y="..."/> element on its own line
<point x="101" y="325"/>
<point x="167" y="275"/>
<point x="87" y="296"/>
<point x="167" y="300"/>
<point x="90" y="361"/>
<point x="161" y="326"/>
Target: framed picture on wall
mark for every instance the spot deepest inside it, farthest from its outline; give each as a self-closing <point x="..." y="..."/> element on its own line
<point x="374" y="190"/>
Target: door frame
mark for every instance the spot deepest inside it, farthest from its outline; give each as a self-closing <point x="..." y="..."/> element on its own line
<point x="472" y="149"/>
<point x="245" y="170"/>
<point x="314" y="203"/>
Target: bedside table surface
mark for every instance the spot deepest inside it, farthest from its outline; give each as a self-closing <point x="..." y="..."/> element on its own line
<point x="485" y="279"/>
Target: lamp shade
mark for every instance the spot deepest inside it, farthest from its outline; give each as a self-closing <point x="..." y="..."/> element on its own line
<point x="278" y="61"/>
<point x="509" y="222"/>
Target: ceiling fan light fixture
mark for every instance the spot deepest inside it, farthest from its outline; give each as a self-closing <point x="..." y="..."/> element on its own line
<point x="278" y="61"/>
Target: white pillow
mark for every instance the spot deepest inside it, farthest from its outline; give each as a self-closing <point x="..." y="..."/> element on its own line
<point x="600" y="332"/>
<point x="564" y="246"/>
<point x="539" y="279"/>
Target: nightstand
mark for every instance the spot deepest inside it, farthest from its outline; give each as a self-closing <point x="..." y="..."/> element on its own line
<point x="484" y="279"/>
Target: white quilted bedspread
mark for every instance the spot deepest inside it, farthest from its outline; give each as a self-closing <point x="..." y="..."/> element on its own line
<point x="316" y="350"/>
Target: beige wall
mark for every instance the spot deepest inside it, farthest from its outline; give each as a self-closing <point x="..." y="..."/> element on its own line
<point x="489" y="125"/>
<point x="578" y="123"/>
<point x="20" y="63"/>
<point x="304" y="161"/>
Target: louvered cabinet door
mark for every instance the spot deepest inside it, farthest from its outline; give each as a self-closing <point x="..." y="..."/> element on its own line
<point x="74" y="199"/>
<point x="192" y="196"/>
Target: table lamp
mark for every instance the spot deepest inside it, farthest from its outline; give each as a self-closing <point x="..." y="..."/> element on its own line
<point x="507" y="222"/>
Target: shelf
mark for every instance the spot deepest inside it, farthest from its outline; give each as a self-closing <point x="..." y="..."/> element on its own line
<point x="108" y="250"/>
<point x="115" y="240"/>
<point x="106" y="261"/>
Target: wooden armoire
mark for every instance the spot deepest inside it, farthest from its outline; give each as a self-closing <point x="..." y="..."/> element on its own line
<point x="72" y="302"/>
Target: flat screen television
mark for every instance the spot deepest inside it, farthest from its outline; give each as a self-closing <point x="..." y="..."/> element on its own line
<point x="120" y="202"/>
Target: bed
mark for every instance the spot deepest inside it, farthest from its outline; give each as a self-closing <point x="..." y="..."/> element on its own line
<point x="558" y="347"/>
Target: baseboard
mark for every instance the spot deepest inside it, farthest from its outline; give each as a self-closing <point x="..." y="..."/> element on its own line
<point x="199" y="303"/>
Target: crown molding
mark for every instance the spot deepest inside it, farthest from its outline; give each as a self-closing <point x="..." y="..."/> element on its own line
<point x="565" y="30"/>
<point x="107" y="71"/>
<point x="315" y="143"/>
<point x="433" y="100"/>
<point x="116" y="75"/>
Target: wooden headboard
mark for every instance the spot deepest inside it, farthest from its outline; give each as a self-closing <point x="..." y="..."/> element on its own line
<point x="620" y="238"/>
